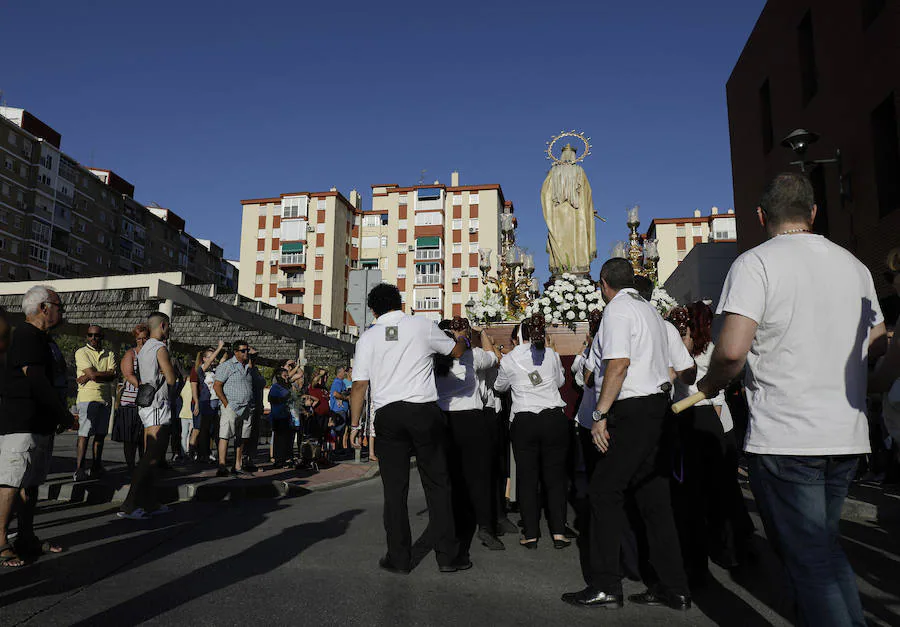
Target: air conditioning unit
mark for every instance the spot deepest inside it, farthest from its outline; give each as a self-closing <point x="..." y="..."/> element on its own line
<point x="472" y="229"/>
<point x="411" y="248"/>
<point x="456" y="279"/>
<point x="310" y="229"/>
<point x="464" y="273"/>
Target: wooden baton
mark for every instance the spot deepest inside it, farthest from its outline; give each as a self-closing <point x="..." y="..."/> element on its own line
<point x="690" y="401"/>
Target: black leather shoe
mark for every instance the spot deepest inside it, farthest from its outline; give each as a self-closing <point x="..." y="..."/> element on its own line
<point x="460" y="563"/>
<point x="490" y="540"/>
<point x="591" y="597"/>
<point x="660" y="597"/>
<point x="505" y="525"/>
<point x="386" y="565"/>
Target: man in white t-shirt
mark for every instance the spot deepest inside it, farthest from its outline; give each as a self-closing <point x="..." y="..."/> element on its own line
<point x="801" y="312"/>
<point x="394" y="357"/>
<point x="633" y="350"/>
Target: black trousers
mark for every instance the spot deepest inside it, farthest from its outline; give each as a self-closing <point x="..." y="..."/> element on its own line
<point x="469" y="461"/>
<point x="500" y="466"/>
<point x="634" y="461"/>
<point x="282" y="440"/>
<point x="541" y="446"/>
<point x="142" y="492"/>
<point x="403" y="429"/>
<point x="709" y="506"/>
<point x="634" y="550"/>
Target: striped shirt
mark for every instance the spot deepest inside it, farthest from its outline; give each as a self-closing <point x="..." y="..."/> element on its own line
<point x="237" y="384"/>
<point x="129" y="392"/>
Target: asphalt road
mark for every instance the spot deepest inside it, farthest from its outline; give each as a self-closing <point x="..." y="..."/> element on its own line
<point x="313" y="560"/>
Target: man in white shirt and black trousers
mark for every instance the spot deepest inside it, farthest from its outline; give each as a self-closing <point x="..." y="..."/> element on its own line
<point x="628" y="429"/>
<point x="802" y="313"/>
<point x="395" y="358"/>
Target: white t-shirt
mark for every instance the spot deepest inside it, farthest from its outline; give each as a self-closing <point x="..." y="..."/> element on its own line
<point x="589" y="392"/>
<point x="631" y="327"/>
<point x="460" y="389"/>
<point x="150" y="372"/>
<point x="395" y="356"/>
<point x="534" y="378"/>
<point x="683" y="391"/>
<point x="815" y="305"/>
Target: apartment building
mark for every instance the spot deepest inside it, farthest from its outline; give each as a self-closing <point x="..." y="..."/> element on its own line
<point x="676" y="237"/>
<point x="425" y="239"/>
<point x="59" y="219"/>
<point x="296" y="252"/>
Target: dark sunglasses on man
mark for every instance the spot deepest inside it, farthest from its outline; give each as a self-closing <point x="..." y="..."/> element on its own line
<point x="98" y="335"/>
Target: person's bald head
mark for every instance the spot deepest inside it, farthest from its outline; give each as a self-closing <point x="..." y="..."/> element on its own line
<point x="159" y="325"/>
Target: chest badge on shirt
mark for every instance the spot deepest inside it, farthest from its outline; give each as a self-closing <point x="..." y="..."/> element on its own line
<point x="535" y="378"/>
<point x="390" y="334"/>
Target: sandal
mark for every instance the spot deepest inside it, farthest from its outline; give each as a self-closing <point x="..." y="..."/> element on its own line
<point x="10" y="561"/>
<point x="34" y="547"/>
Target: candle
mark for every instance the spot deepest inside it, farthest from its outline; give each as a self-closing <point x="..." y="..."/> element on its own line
<point x="650" y="249"/>
<point x="506" y="222"/>
<point x="529" y="263"/>
<point x="618" y="250"/>
<point x="484" y="258"/>
<point x="633" y="214"/>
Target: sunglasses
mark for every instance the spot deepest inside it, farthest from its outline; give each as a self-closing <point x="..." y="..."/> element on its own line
<point x="100" y="335"/>
<point x="241" y="350"/>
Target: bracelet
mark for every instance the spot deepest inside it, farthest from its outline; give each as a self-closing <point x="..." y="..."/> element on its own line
<point x="356" y="428"/>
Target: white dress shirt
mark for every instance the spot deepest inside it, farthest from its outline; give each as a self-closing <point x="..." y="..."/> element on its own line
<point x="460" y="389"/>
<point x="395" y="355"/>
<point x="534" y="377"/>
<point x="632" y="328"/>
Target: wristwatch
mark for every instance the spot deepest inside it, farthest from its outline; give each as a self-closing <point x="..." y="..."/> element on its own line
<point x="598" y="416"/>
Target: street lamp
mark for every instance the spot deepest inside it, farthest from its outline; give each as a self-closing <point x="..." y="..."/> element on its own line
<point x="799" y="141"/>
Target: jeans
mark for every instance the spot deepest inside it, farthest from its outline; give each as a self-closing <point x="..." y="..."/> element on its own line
<point x="800" y="500"/>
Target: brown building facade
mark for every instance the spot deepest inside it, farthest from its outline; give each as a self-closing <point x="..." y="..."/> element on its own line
<point x="831" y="68"/>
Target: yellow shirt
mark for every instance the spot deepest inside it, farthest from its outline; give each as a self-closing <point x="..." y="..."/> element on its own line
<point x="101" y="361"/>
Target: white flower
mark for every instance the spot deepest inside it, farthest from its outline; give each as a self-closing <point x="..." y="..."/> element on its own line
<point x="579" y="298"/>
<point x="565" y="307"/>
<point x="593" y="307"/>
<point x="582" y="306"/>
<point x="545" y="301"/>
<point x="569" y="296"/>
<point x="570" y="315"/>
<point x="581" y="315"/>
<point x="547" y="311"/>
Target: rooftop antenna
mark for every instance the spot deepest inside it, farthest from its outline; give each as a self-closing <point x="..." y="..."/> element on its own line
<point x="422" y="177"/>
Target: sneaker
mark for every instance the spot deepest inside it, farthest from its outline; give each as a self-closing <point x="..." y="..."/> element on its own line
<point x="136" y="514"/>
<point x="222" y="472"/>
<point x="162" y="509"/>
<point x="80" y="475"/>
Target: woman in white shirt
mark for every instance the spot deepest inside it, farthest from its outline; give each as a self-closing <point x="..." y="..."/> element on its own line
<point x="540" y="430"/>
<point x="710" y="510"/>
<point x="470" y="448"/>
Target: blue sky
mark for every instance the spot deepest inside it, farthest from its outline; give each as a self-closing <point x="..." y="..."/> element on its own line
<point x="201" y="104"/>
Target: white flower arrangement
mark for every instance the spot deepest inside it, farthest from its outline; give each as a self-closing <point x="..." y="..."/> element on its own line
<point x="567" y="300"/>
<point x="488" y="308"/>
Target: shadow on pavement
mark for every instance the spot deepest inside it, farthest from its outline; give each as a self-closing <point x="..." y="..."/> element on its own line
<point x="251" y="562"/>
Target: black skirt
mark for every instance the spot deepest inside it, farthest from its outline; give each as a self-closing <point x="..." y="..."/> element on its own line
<point x="127" y="426"/>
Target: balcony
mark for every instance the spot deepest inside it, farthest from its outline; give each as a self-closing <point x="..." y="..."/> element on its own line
<point x="425" y="254"/>
<point x="293" y="259"/>
<point x="429" y="279"/>
<point x="292" y="283"/>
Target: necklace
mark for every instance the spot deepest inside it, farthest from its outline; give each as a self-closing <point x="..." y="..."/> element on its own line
<point x="790" y="231"/>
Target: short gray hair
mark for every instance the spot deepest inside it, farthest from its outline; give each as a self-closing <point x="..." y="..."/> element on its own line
<point x="34" y="298"/>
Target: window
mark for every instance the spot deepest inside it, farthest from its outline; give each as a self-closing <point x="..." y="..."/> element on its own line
<point x="102" y="217"/>
<point x="23" y="170"/>
<point x="887" y="155"/>
<point x="681" y="255"/>
<point x="698" y="230"/>
<point x="4" y="217"/>
<point x="401" y="273"/>
<point x="5" y="189"/>
<point x="457" y="247"/>
<point x="320" y="228"/>
<point x="457" y="199"/>
<point x="320" y="251"/>
<point x="429" y="218"/>
<point x="293" y="230"/>
<point x="402" y="199"/>
<point x="274" y="256"/>
<point x="9" y="163"/>
<point x="371" y="220"/>
<point x="17" y="222"/>
<point x="263" y="210"/>
<point x="321" y="203"/>
<point x="402" y="224"/>
<point x="294" y="207"/>
<point x="457" y="225"/>
<point x="679" y="230"/>
<point x="276" y="233"/>
<point x="40" y="232"/>
<point x="473" y="224"/>
<point x="457" y="298"/>
<point x="809" y="74"/>
<point x="370" y="241"/>
<point x="428" y="299"/>
<point x="261" y="234"/>
<point x="427" y="273"/>
<point x="2" y="243"/>
<point x="723" y="235"/>
<point x="38" y="253"/>
<point x="473" y="247"/>
<point x="871" y="9"/>
<point x="765" y="116"/>
<point x="11" y="273"/>
<point x="101" y="237"/>
<point x="384" y="241"/>
<point x="473" y="198"/>
<point x="259" y="279"/>
<point x="260" y="256"/>
<point x="13" y="138"/>
<point x="474" y="272"/>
